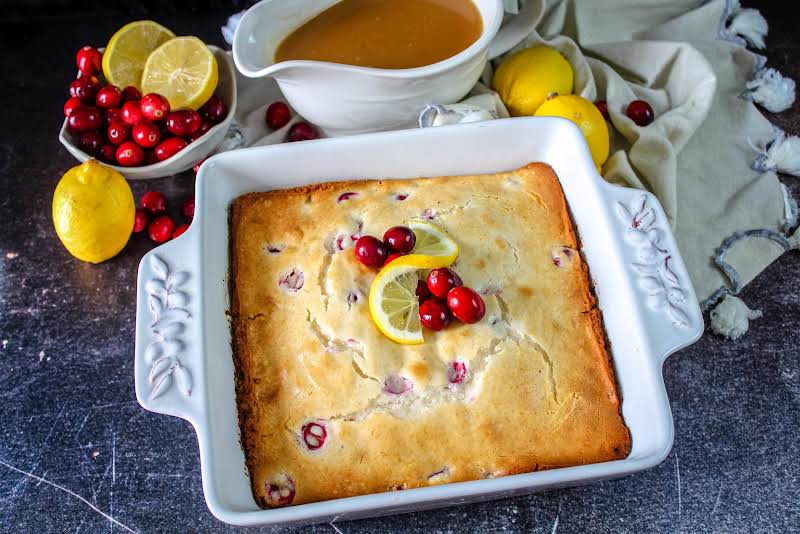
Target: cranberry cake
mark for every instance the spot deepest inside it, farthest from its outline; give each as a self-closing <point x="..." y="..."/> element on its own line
<point x="329" y="407"/>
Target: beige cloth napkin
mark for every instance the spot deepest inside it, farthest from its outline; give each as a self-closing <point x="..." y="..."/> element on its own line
<point x="698" y="157"/>
<point x="688" y="59"/>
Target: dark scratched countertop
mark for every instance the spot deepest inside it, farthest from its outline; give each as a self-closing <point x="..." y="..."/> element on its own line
<point x="75" y="445"/>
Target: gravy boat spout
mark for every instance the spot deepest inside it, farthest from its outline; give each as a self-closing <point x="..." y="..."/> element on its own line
<point x="347" y="99"/>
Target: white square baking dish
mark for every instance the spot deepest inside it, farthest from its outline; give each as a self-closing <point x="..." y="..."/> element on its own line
<point x="184" y="365"/>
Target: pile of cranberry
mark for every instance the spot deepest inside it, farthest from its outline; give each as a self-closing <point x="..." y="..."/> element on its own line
<point x="120" y="126"/>
<point x="441" y="296"/>
<point x="152" y="215"/>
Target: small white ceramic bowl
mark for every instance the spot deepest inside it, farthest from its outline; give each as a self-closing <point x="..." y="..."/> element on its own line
<point x="192" y="154"/>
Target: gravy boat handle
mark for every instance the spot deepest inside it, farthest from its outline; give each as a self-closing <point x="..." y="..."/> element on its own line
<point x="519" y="27"/>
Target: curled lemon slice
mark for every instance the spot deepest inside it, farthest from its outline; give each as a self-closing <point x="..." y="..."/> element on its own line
<point x="128" y="49"/>
<point x="183" y="70"/>
<point x="434" y="247"/>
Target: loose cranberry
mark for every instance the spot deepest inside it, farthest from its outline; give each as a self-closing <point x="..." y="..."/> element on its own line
<point x="179" y="230"/>
<point x="146" y="134"/>
<point x="89" y="60"/>
<point x="423" y="293"/>
<point x="140" y="220"/>
<point x="118" y="132"/>
<point x="314" y="435"/>
<point x="197" y="165"/>
<point x="183" y="122"/>
<point x="602" y="106"/>
<point x="400" y="196"/>
<point x="132" y="112"/>
<point x="302" y="131"/>
<point x="442" y="280"/>
<point x="277" y="115"/>
<point x="466" y="305"/>
<point x="457" y="372"/>
<point x="397" y="385"/>
<point x="187" y="209"/>
<point x="371" y="251"/>
<point x="84" y="118"/>
<point x="85" y="88"/>
<point x="393" y="256"/>
<point x="201" y="130"/>
<point x="108" y="96"/>
<point x="131" y="93"/>
<point x="91" y="142"/>
<point x="169" y="147"/>
<point x="154" y="202"/>
<point x="640" y="112"/>
<point x="70" y="105"/>
<point x="154" y="106"/>
<point x="129" y="154"/>
<point x="400" y="238"/>
<point x="108" y="153"/>
<point x="160" y="229"/>
<point x="279" y="492"/>
<point x="215" y="110"/>
<point x="113" y="114"/>
<point x="433" y="314"/>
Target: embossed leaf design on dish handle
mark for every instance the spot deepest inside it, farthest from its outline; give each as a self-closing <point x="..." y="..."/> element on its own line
<point x="645" y="233"/>
<point x="167" y="303"/>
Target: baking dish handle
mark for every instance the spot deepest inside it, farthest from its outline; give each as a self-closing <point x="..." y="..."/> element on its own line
<point x="167" y="353"/>
<point x="671" y="313"/>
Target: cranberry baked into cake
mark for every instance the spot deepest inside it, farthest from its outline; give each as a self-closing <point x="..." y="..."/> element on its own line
<point x="329" y="407"/>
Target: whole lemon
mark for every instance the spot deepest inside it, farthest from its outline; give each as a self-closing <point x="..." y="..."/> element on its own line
<point x="526" y="78"/>
<point x="93" y="211"/>
<point x="588" y="118"/>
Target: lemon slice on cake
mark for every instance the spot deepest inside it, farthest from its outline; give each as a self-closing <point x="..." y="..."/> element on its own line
<point x="434" y="247"/>
<point x="393" y="302"/>
<point x="128" y="50"/>
<point x="183" y="70"/>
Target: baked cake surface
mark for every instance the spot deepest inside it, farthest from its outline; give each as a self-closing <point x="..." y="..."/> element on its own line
<point x="539" y="390"/>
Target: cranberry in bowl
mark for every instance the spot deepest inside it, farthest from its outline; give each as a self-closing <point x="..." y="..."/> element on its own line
<point x="199" y="146"/>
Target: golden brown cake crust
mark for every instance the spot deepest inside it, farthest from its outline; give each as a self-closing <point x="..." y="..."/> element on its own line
<point x="539" y="391"/>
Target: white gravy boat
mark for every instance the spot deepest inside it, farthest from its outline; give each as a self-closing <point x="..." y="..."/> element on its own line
<point x="346" y="99"/>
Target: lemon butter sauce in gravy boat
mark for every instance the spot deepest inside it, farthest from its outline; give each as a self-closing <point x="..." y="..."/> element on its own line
<point x="348" y="99"/>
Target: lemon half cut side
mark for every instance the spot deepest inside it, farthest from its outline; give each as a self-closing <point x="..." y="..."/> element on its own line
<point x="128" y="49"/>
<point x="184" y="71"/>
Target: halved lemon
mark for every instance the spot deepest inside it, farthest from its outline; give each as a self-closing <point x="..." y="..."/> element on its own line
<point x="127" y="51"/>
<point x="184" y="70"/>
<point x="393" y="302"/>
<point x="434" y="247"/>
